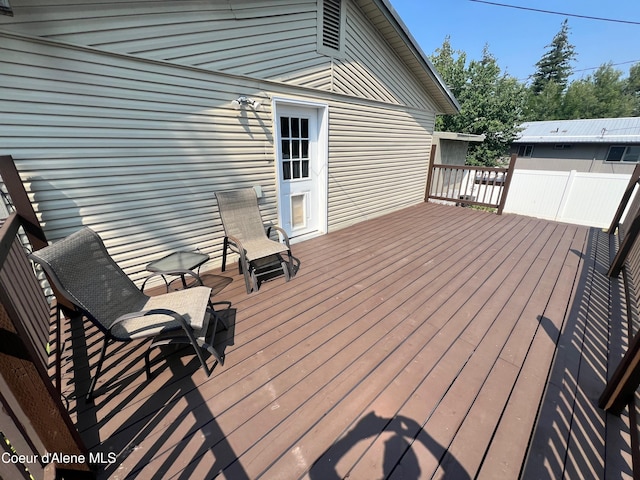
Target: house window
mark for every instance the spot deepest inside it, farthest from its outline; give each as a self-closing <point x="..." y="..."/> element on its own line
<point x="294" y="133"/>
<point x="331" y="26"/>
<point x="621" y="153"/>
<point x="525" y="150"/>
<point x="562" y="146"/>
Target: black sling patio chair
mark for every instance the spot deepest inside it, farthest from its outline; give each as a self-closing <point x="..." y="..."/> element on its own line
<point x="85" y="274"/>
<point x="245" y="234"/>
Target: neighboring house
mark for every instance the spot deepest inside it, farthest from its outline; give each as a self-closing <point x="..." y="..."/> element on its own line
<point x="451" y="148"/>
<point x="127" y="116"/>
<point x="602" y="145"/>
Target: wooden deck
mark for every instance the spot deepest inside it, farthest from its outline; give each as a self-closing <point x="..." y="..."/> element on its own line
<point x="437" y="342"/>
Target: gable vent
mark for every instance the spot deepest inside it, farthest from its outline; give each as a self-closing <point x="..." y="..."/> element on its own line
<point x="331" y="14"/>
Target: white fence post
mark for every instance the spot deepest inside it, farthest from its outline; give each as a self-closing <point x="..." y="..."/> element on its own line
<point x="566" y="195"/>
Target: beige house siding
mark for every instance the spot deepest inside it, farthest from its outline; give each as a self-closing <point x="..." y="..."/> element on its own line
<point x="270" y="40"/>
<point x="274" y="40"/>
<point x="370" y="69"/>
<point x="135" y="148"/>
<point x="379" y="160"/>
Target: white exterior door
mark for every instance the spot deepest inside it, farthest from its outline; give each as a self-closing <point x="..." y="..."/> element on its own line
<point x="300" y="170"/>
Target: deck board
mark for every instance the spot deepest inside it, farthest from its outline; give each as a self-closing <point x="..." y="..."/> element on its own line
<point x="454" y="409"/>
<point x="528" y="388"/>
<point x="416" y="345"/>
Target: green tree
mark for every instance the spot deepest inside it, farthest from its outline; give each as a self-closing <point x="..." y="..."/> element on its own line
<point x="632" y="88"/>
<point x="549" y="81"/>
<point x="491" y="103"/>
<point x="555" y="64"/>
<point x="451" y="64"/>
<point x="545" y="104"/>
<point x="580" y="100"/>
<point x="601" y="95"/>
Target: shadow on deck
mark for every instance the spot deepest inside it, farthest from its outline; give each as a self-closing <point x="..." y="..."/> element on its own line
<point x="435" y="342"/>
<point x="573" y="437"/>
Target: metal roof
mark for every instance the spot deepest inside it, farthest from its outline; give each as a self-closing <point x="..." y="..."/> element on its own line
<point x="597" y="130"/>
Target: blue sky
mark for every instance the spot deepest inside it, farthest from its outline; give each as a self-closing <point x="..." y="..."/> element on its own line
<point x="517" y="38"/>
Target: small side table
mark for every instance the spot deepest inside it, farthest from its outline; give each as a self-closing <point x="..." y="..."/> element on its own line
<point x="176" y="263"/>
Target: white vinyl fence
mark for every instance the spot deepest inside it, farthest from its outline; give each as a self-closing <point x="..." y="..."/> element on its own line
<point x="573" y="197"/>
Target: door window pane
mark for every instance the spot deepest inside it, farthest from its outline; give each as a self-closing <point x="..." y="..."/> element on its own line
<point x="286" y="170"/>
<point x="286" y="154"/>
<point x="295" y="145"/>
<point x="295" y="127"/>
<point x="284" y="127"/>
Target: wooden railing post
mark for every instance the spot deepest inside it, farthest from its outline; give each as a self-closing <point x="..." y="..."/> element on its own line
<point x="635" y="176"/>
<point x="29" y="219"/>
<point x="624" y="382"/>
<point x="21" y="202"/>
<point x="626" y="378"/>
<point x="625" y="247"/>
<point x="507" y="183"/>
<point x="432" y="158"/>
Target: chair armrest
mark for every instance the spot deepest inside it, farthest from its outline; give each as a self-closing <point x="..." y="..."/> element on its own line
<point x="281" y="232"/>
<point x="238" y="244"/>
<point x="240" y="251"/>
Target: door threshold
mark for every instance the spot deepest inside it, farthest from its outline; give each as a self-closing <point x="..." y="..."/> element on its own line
<point x="305" y="236"/>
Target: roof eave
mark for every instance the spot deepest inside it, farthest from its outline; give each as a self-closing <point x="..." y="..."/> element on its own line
<point x="407" y="47"/>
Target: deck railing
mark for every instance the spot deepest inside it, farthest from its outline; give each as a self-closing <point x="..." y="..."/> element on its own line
<point x="469" y="185"/>
<point x="622" y="386"/>
<point x="33" y="418"/>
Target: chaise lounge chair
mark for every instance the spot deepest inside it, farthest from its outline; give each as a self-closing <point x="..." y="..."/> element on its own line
<point x="84" y="272"/>
<point x="245" y="235"/>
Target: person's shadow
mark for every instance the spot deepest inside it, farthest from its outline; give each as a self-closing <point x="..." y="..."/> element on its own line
<point x="400" y="459"/>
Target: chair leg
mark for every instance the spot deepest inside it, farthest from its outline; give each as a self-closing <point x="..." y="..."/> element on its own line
<point x="198" y="349"/>
<point x="246" y="272"/>
<point x="197" y="344"/>
<point x="254" y="280"/>
<point x="89" y="396"/>
<point x="209" y="348"/>
<point x="213" y="352"/>
<point x="285" y="270"/>
<point x="292" y="273"/>
<point x="225" y="245"/>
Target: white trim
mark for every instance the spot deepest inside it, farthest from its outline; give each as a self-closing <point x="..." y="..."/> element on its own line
<point x="323" y="154"/>
<point x="328" y="51"/>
